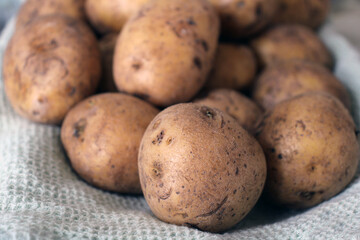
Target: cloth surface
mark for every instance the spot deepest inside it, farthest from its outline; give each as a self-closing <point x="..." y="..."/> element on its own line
<point x="42" y="198"/>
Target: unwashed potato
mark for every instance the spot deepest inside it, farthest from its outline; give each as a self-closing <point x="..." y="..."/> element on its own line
<point x="245" y="111"/>
<point x="310" y="13"/>
<point x="235" y="67"/>
<point x="101" y="136"/>
<point x="110" y="15"/>
<point x="107" y="48"/>
<point x="50" y="64"/>
<point x="311" y="149"/>
<point x="166" y="51"/>
<point x="288" y="79"/>
<point x="32" y="9"/>
<point x="291" y="42"/>
<point x="199" y="168"/>
<point x="240" y="19"/>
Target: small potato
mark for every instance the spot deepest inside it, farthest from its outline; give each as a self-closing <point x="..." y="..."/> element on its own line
<point x="199" y="168"/>
<point x="32" y="9"/>
<point x="240" y="19"/>
<point x="235" y="67"/>
<point x="291" y="42"/>
<point x="310" y="13"/>
<point x="166" y="50"/>
<point x="245" y="111"/>
<point x="311" y="149"/>
<point x="111" y="15"/>
<point x="50" y="64"/>
<point x="288" y="79"/>
<point x="107" y="48"/>
<point x="101" y="136"/>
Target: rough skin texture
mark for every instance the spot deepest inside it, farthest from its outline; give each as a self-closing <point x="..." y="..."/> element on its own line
<point x="33" y="9"/>
<point x="311" y="149"/>
<point x="199" y="168"/>
<point x="107" y="48"/>
<point x="235" y="67"/>
<point x="241" y="19"/>
<point x="166" y="51"/>
<point x="244" y="110"/>
<point x="291" y="42"/>
<point x="49" y="65"/>
<point x="311" y="13"/>
<point x="101" y="136"/>
<point x="289" y="79"/>
<point x="111" y="15"/>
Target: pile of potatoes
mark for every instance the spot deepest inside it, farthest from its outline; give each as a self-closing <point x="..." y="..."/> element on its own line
<point x="199" y="105"/>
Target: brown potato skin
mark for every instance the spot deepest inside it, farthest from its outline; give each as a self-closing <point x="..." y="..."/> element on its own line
<point x="33" y="9"/>
<point x="109" y="16"/>
<point x="241" y="19"/>
<point x="291" y="42"/>
<point x="289" y="79"/>
<point x="199" y="168"/>
<point x="310" y="13"/>
<point x="166" y="51"/>
<point x="107" y="49"/>
<point x="311" y="149"/>
<point x="235" y="67"/>
<point x="101" y="135"/>
<point x="50" y="65"/>
<point x="238" y="106"/>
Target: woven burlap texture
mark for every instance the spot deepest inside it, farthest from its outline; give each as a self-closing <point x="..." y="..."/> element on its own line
<point x="42" y="198"/>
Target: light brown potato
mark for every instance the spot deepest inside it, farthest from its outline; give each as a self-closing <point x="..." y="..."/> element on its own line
<point x="107" y="48"/>
<point x="50" y="65"/>
<point x="235" y="67"/>
<point x="291" y="42"/>
<point x="101" y="136"/>
<point x="166" y="51"/>
<point x="240" y="19"/>
<point x="199" y="168"/>
<point x="111" y="15"/>
<point x="311" y="149"/>
<point x="245" y="111"/>
<point x="310" y="13"/>
<point x="288" y="79"/>
<point x="33" y="9"/>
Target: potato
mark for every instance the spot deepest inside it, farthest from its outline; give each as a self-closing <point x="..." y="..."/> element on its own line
<point x="291" y="42"/>
<point x="110" y="15"/>
<point x="235" y="67"/>
<point x="165" y="52"/>
<point x="32" y="9"/>
<point x="240" y="19"/>
<point x="309" y="13"/>
<point x="50" y="65"/>
<point x="199" y="168"/>
<point x="107" y="48"/>
<point x="288" y="79"/>
<point x="101" y="136"/>
<point x="311" y="149"/>
<point x="245" y="111"/>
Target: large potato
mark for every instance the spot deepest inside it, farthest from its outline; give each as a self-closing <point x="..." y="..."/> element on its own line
<point x="199" y="168"/>
<point x="49" y="65"/>
<point x="288" y="79"/>
<point x="165" y="52"/>
<point x="235" y="67"/>
<point x="32" y="9"/>
<point x="310" y="13"/>
<point x="291" y="42"/>
<point x="110" y="15"/>
<point x="245" y="111"/>
<point x="101" y="136"/>
<point x="311" y="149"/>
<point x="241" y="19"/>
<point x="107" y="48"/>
